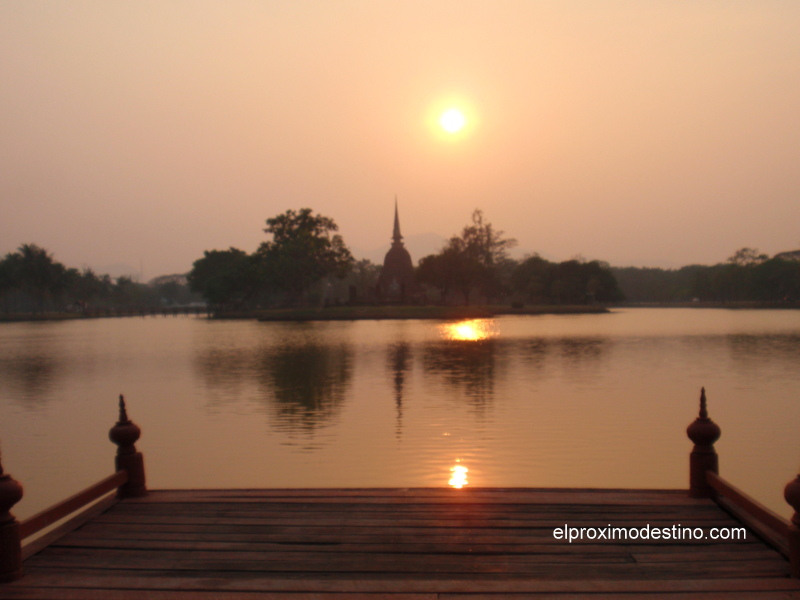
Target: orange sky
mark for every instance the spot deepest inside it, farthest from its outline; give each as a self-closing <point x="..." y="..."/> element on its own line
<point x="654" y="133"/>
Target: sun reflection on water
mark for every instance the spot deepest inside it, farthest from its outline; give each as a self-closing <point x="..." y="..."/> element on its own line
<point x="472" y="330"/>
<point x="458" y="479"/>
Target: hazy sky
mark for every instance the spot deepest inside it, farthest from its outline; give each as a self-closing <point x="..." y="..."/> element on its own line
<point x="641" y="133"/>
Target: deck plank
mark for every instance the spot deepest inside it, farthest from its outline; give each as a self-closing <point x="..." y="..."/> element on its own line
<point x="404" y="544"/>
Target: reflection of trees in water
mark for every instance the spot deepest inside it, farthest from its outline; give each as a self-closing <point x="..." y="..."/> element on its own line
<point x="399" y="362"/>
<point x="536" y="351"/>
<point x="304" y="384"/>
<point x="474" y="366"/>
<point x="579" y="358"/>
<point x="225" y="370"/>
<point x="533" y="353"/>
<point x="580" y="350"/>
<point x="466" y="365"/>
<point x="764" y="351"/>
<point x="573" y="350"/>
<point x="307" y="384"/>
<point x="29" y="377"/>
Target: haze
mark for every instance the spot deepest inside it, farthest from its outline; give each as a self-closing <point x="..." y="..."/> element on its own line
<point x="639" y="133"/>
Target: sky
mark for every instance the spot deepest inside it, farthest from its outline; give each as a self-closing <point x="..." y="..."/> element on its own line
<point x="654" y="133"/>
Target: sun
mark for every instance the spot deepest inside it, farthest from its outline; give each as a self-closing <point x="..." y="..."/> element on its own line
<point x="452" y="120"/>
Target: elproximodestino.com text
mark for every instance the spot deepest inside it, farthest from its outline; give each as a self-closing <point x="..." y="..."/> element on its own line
<point x="648" y="532"/>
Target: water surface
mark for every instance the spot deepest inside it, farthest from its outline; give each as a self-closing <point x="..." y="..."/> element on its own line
<point x="545" y="401"/>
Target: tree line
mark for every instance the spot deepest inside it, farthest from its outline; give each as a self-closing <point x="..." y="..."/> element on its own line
<point x="297" y="266"/>
<point x="32" y="281"/>
<point x="746" y="276"/>
<point x="307" y="263"/>
<point x="476" y="263"/>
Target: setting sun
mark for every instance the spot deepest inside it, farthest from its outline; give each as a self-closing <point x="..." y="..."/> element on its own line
<point x="472" y="330"/>
<point x="459" y="476"/>
<point x="452" y="120"/>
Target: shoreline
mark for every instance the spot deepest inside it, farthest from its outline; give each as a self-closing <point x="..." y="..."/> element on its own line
<point x="373" y="313"/>
<point x="737" y="305"/>
<point x="337" y="313"/>
<point x="377" y="313"/>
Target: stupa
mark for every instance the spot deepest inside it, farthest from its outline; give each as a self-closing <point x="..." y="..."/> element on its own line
<point x="396" y="281"/>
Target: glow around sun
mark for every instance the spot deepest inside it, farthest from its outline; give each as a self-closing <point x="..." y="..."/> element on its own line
<point x="452" y="120"/>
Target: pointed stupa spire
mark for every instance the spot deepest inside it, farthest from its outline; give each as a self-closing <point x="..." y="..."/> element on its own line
<point x="396" y="281"/>
<point x="396" y="236"/>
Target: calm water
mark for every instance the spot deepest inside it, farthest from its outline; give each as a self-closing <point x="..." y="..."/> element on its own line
<point x="546" y="401"/>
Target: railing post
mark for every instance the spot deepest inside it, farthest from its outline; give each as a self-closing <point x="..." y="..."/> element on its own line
<point x="124" y="434"/>
<point x="703" y="432"/>
<point x="10" y="541"/>
<point x="792" y="495"/>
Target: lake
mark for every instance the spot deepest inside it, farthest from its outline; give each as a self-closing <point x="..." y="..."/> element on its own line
<point x="535" y="401"/>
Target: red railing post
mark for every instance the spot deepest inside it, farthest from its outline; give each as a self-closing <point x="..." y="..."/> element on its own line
<point x="792" y="495"/>
<point x="703" y="432"/>
<point x="10" y="541"/>
<point x="124" y="434"/>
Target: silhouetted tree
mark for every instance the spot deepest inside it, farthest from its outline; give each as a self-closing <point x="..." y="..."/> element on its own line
<point x="226" y="277"/>
<point x="357" y="286"/>
<point x="532" y="279"/>
<point x="303" y="251"/>
<point x="747" y="257"/>
<point x="777" y="280"/>
<point x="91" y="289"/>
<point x="31" y="280"/>
<point x="474" y="261"/>
<point x="747" y="276"/>
<point x="37" y="274"/>
<point x="432" y="271"/>
<point x="570" y="282"/>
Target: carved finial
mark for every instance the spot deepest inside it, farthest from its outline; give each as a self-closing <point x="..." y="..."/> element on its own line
<point x="10" y="494"/>
<point x="125" y="434"/>
<point x="792" y="494"/>
<point x="703" y="432"/>
<point x="10" y="541"/>
<point x="123" y="415"/>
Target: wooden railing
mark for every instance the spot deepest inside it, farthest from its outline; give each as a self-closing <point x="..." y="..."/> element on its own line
<point x="128" y="481"/>
<point x="769" y="525"/>
<point x="69" y="508"/>
<point x="705" y="482"/>
<point x="55" y="513"/>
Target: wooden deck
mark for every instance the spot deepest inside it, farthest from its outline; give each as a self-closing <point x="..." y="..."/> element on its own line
<point x="418" y="544"/>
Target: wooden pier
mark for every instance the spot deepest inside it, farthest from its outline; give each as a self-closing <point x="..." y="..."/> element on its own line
<point x="403" y="544"/>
